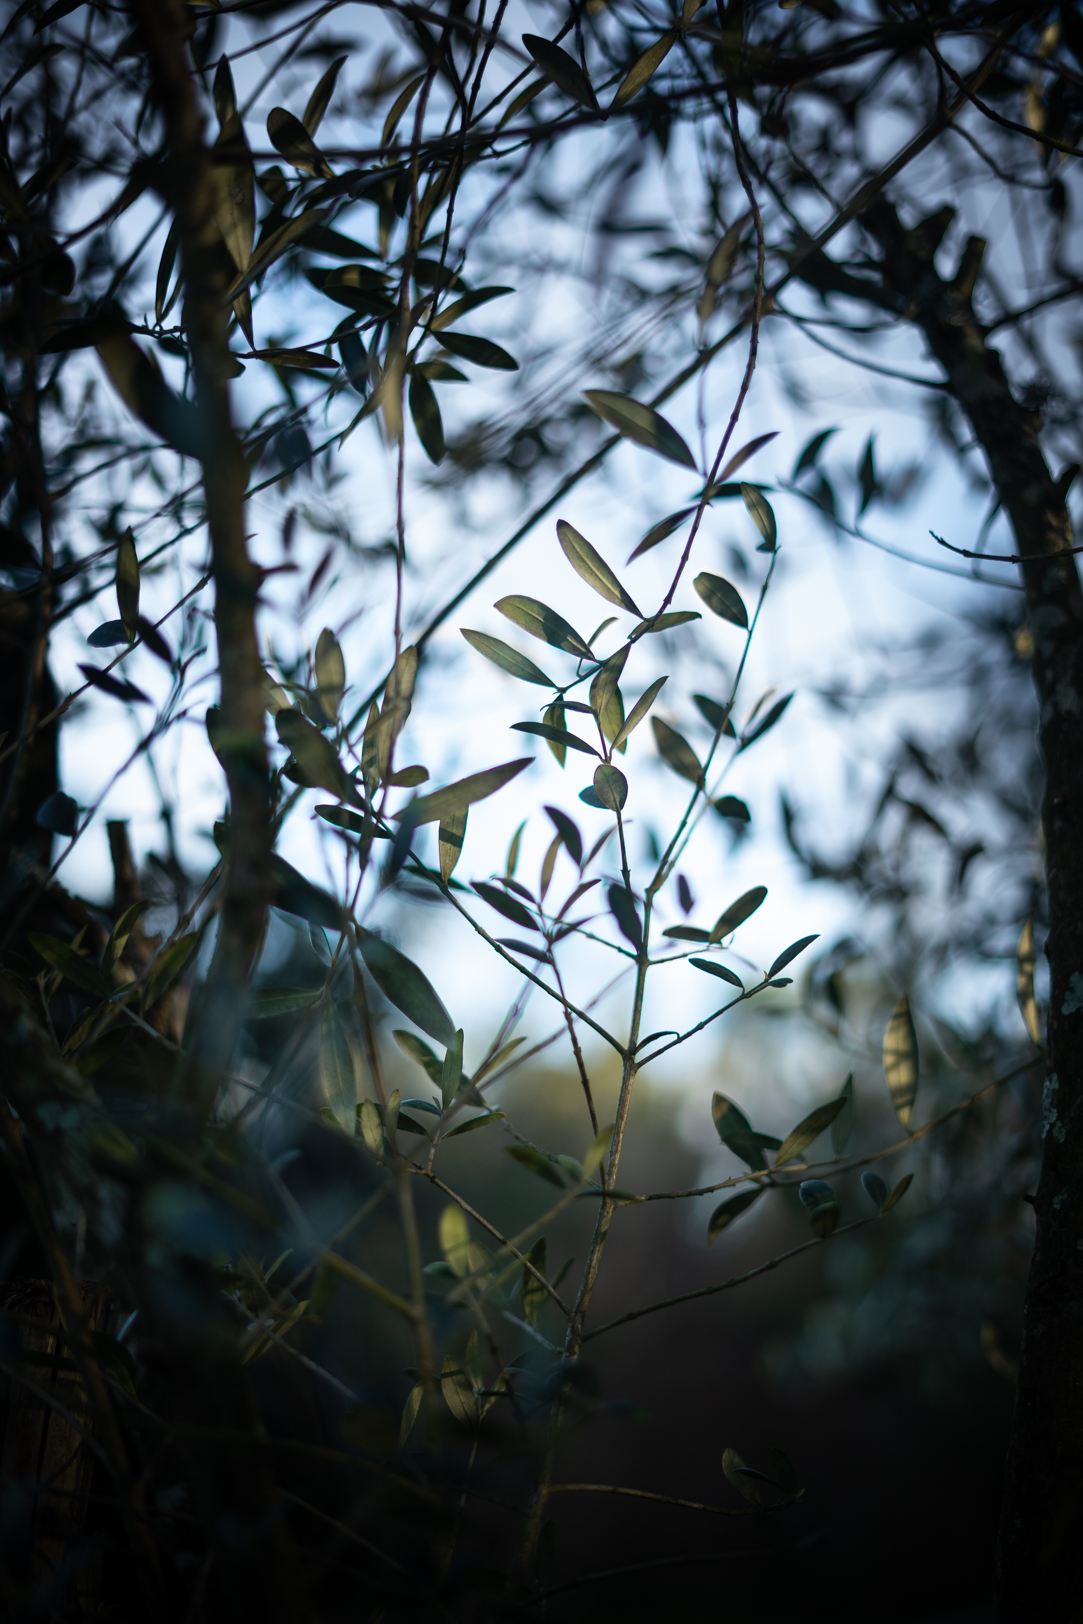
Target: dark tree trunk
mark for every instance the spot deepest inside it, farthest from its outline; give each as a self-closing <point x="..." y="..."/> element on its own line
<point x="1037" y="1569"/>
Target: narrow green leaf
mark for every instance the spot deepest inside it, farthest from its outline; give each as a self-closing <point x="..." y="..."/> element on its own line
<point x="458" y="1392"/>
<point x="722" y="599"/>
<point x="544" y="623"/>
<point x="451" y="1073"/>
<point x="426" y="415"/>
<point x="712" y="968"/>
<point x="266" y="1002"/>
<point x="405" y="986"/>
<point x="462" y="307"/>
<point x="593" y="568"/>
<point x="897" y="1194"/>
<point x="63" y="957"/>
<point x="642" y="424"/>
<point x="676" y="751"/>
<point x="372" y="1129"/>
<point x="639" y="711"/>
<point x="454" y="1234"/>
<point x="599" y="1147"/>
<point x="320" y="98"/>
<point x="296" y="895"/>
<point x="568" y="830"/>
<point x="768" y="722"/>
<point x="330" y="674"/>
<point x="118" y="937"/>
<point x="482" y="351"/>
<point x="555" y="735"/>
<point x="642" y="69"/>
<point x="507" y="658"/>
<point x="554" y="717"/>
<point x="475" y="1122"/>
<point x="738" y="912"/>
<point x="659" y="532"/>
<point x="723" y="1215"/>
<point x="452" y="834"/>
<point x="167" y="967"/>
<point x="623" y="909"/>
<point x="739" y="458"/>
<point x="289" y="137"/>
<point x="533" y="1294"/>
<point x="763" y="516"/>
<point x="336" y="1068"/>
<point x="664" y="623"/>
<point x="536" y="1163"/>
<point x="455" y="798"/>
<point x="737" y="1134"/>
<point x="687" y="933"/>
<point x="562" y="69"/>
<point x="901" y="1060"/>
<point x="506" y="905"/>
<point x="791" y="953"/>
<point x="808" y="1129"/>
<point x="273" y="249"/>
<point x="419" y="1050"/>
<point x="315" y="755"/>
<point x="728" y="806"/>
<point x="410" y="1412"/>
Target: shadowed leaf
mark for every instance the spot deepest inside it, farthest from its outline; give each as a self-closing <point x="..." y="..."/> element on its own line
<point x="642" y="424"/>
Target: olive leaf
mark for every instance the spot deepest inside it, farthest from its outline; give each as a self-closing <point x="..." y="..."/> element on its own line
<point x="593" y="568"/>
<point x="808" y="1129"/>
<point x="544" y="623"/>
<point x="676" y="751"/>
<point x="642" y="70"/>
<point x="562" y="69"/>
<point x="555" y="735"/>
<point x="455" y="798"/>
<point x="610" y="786"/>
<point x="639" y="711"/>
<point x="315" y="755"/>
<point x="128" y="584"/>
<point x="723" y="1215"/>
<point x="901" y="1060"/>
<point x="738" y="912"/>
<point x="709" y="965"/>
<point x="425" y="412"/>
<point x="320" y="98"/>
<point x="507" y="658"/>
<point x="452" y="833"/>
<point x="721" y="598"/>
<point x="844" y="1122"/>
<point x="289" y="137"/>
<point x="482" y="351"/>
<point x="642" y="424"/>
<point x="1024" y="985"/>
<point x="330" y="674"/>
<point x="763" y="517"/>
<point x="336" y="1068"/>
<point x="405" y="986"/>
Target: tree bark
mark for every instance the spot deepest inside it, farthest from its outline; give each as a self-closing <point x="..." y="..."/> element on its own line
<point x="1037" y="1564"/>
<point x="185" y="180"/>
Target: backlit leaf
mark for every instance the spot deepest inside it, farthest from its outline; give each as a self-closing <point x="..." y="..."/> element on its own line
<point x="315" y="755"/>
<point x="676" y="751"/>
<point x="458" y="1391"/>
<point x="336" y="1068"/>
<point x="462" y="307"/>
<point x="168" y="966"/>
<point x="642" y="69"/>
<point x="721" y="598"/>
<point x="610" y="786"/>
<point x="808" y="1129"/>
<point x="405" y="986"/>
<point x="330" y="674"/>
<point x="114" y="686"/>
<point x="451" y="1072"/>
<point x="463" y="793"/>
<point x="599" y="1148"/>
<point x="723" y="1216"/>
<point x="561" y="68"/>
<point x="1024" y="984"/>
<point x="737" y="1134"/>
<point x="63" y="957"/>
<point x="266" y="1002"/>
<point x="554" y="717"/>
<point x="452" y="833"/>
<point x="901" y="1060"/>
<point x="664" y="623"/>
<point x="555" y="735"/>
<point x="593" y="568"/>
<point x="639" y="710"/>
<point x="372" y="1129"/>
<point x="843" y="1124"/>
<point x="507" y="658"/>
<point x="544" y="623"/>
<point x="419" y="1050"/>
<point x="475" y="1122"/>
<point x="482" y="351"/>
<point x="738" y="912"/>
<point x="875" y="1188"/>
<point x="763" y="516"/>
<point x="532" y="1293"/>
<point x="296" y="895"/>
<point x="642" y="424"/>
<point x="410" y="1411"/>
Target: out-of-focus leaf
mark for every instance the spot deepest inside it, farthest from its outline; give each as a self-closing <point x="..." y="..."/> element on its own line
<point x="598" y="1150"/>
<point x="722" y="598"/>
<point x="482" y="351"/>
<point x="454" y="1234"/>
<point x="562" y="69"/>
<point x="296" y="895"/>
<point x="712" y="968"/>
<point x="642" y="424"/>
<point x="118" y="936"/>
<point x="737" y="1473"/>
<point x="128" y="584"/>
<point x="569" y="832"/>
<point x="419" y="1050"/>
<point x="410" y="1411"/>
<point x="659" y="532"/>
<point x="426" y="415"/>
<point x="289" y="137"/>
<point x="507" y="658"/>
<point x="593" y="568"/>
<point x="875" y="1188"/>
<point x="455" y="798"/>
<point x="342" y="818"/>
<point x="506" y="905"/>
<point x="897" y="1194"/>
<point x="399" y="106"/>
<point x="901" y="1060"/>
<point x="623" y="909"/>
<point x="63" y="957"/>
<point x="642" y="69"/>
<point x="152" y="638"/>
<point x="808" y="1129"/>
<point x="676" y="751"/>
<point x="544" y="624"/>
<point x="738" y="912"/>
<point x="336" y="1068"/>
<point x="266" y="1002"/>
<point x="714" y="714"/>
<point x="723" y="1215"/>
<point x="320" y="98"/>
<point x="610" y="786"/>
<point x="108" y="635"/>
<point x="808" y="456"/>
<point x="554" y="717"/>
<point x="556" y="735"/>
<point x="372" y="1129"/>
<point x="458" y="1392"/>
<point x="113" y="685"/>
<point x="58" y="813"/>
<point x="274" y="247"/>
<point x="843" y="1124"/>
<point x="687" y="933"/>
<point x="1024" y="984"/>
<point x="532" y="1292"/>
<point x="330" y="674"/>
<point x="167" y="967"/>
<point x="763" y="517"/>
<point x="405" y="986"/>
<point x="791" y="953"/>
<point x="536" y="1163"/>
<point x="451" y="1072"/>
<point x="728" y="806"/>
<point x="452" y="834"/>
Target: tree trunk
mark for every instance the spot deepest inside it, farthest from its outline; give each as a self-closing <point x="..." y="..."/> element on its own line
<point x="1037" y="1567"/>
